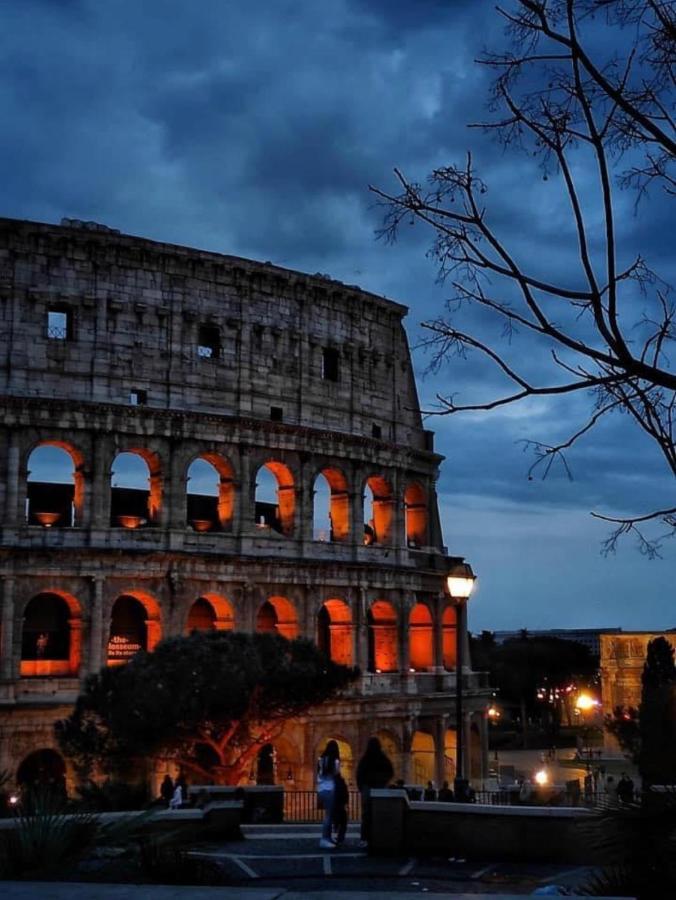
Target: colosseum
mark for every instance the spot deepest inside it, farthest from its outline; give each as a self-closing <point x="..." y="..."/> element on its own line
<point x="192" y="440"/>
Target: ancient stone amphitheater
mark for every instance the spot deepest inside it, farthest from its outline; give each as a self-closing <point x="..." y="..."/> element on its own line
<point x="192" y="440"/>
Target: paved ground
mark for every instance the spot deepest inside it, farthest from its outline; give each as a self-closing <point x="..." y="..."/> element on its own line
<point x="290" y="856"/>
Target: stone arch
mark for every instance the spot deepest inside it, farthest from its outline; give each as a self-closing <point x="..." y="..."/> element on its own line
<point x="415" y="508"/>
<point x="335" y="522"/>
<point x="421" y="638"/>
<point x="345" y="751"/>
<point x="277" y="513"/>
<point x="422" y="758"/>
<point x="382" y="637"/>
<point x="289" y="762"/>
<point x="210" y="612"/>
<point x="450" y="754"/>
<point x="51" y="635"/>
<point x="378" y="510"/>
<point x="277" y="615"/>
<point x="265" y="766"/>
<point x="134" y="626"/>
<point x="211" y="503"/>
<point x="56" y="501"/>
<point x="449" y="637"/>
<point x="43" y="768"/>
<point x="334" y="631"/>
<point x="135" y="494"/>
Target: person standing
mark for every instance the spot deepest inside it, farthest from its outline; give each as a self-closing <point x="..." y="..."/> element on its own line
<point x="374" y="771"/>
<point x="167" y="789"/>
<point x="328" y="766"/>
<point x="341" y="798"/>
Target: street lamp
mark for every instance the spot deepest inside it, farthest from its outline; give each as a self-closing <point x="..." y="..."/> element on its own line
<point x="460" y="581"/>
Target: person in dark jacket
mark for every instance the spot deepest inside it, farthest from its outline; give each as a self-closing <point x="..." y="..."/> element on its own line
<point x="341" y="797"/>
<point x="167" y="789"/>
<point x="374" y="771"/>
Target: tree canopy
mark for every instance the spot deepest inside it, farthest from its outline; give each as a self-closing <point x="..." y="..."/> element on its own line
<point x="585" y="89"/>
<point x="210" y="701"/>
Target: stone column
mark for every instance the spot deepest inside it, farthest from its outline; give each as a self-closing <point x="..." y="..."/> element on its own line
<point x="245" y="499"/>
<point x="439" y="635"/>
<point x="7" y="625"/>
<point x="360" y="626"/>
<point x="98" y="509"/>
<point x="96" y="624"/>
<point x="440" y="750"/>
<point x="357" y="514"/>
<point x="12" y="515"/>
<point x="404" y="606"/>
<point x="305" y="501"/>
<point x="175" y="504"/>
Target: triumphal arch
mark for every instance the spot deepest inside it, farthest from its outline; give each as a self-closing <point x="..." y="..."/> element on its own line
<point x="191" y="440"/>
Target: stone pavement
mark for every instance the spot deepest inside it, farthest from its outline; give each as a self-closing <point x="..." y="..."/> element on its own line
<point x="38" y="890"/>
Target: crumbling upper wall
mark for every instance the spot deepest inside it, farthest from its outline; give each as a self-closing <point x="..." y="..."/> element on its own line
<point x="138" y="310"/>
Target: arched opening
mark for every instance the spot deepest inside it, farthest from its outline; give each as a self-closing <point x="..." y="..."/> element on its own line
<point x="134" y="626"/>
<point x="382" y="638"/>
<point x="288" y="768"/>
<point x="54" y="486"/>
<point x="422" y="757"/>
<point x="277" y="615"/>
<point x="135" y="489"/>
<point x="266" y="765"/>
<point x="346" y="758"/>
<point x="378" y="508"/>
<point x="43" y="769"/>
<point x="210" y="494"/>
<point x="50" y="639"/>
<point x="450" y="754"/>
<point x="202" y="616"/>
<point x="275" y="499"/>
<point x="415" y="506"/>
<point x="334" y="631"/>
<point x="449" y="638"/>
<point x="210" y="612"/>
<point x="421" y="638"/>
<point x="331" y="510"/>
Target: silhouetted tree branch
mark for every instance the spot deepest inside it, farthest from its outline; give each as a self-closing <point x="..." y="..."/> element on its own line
<point x="580" y="110"/>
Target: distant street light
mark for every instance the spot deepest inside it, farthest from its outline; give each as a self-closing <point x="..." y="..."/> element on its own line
<point x="460" y="581"/>
<point x="542" y="777"/>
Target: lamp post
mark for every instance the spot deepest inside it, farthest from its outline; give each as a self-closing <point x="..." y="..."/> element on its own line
<point x="460" y="581"/>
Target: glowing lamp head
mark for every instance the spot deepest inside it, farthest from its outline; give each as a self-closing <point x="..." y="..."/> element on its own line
<point x="13" y="799"/>
<point x="493" y="712"/>
<point x="460" y="580"/>
<point x="541" y="777"/>
<point x="584" y="702"/>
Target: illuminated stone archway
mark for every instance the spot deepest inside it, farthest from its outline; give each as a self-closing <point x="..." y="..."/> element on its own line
<point x="210" y="612"/>
<point x="383" y="655"/>
<point x="135" y="489"/>
<point x="54" y="485"/>
<point x="51" y="636"/>
<point x="331" y="507"/>
<point x="449" y="638"/>
<point x="211" y="495"/>
<point x="275" y="499"/>
<point x="134" y="626"/>
<point x="421" y="638"/>
<point x="378" y="511"/>
<point x="422" y="758"/>
<point x="334" y="631"/>
<point x="415" y="506"/>
<point x="277" y="616"/>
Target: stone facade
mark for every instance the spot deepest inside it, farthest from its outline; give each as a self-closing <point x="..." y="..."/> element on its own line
<point x="119" y="350"/>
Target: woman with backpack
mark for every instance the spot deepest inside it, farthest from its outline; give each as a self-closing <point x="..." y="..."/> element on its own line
<point x="328" y="766"/>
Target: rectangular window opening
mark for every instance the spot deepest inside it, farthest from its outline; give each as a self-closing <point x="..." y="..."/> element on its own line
<point x="330" y="364"/>
<point x="138" y="397"/>
<point x="59" y="324"/>
<point x="376" y="431"/>
<point x="276" y="413"/>
<point x="208" y="342"/>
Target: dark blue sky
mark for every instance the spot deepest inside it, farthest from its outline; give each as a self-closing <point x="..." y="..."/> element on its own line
<point x="254" y="128"/>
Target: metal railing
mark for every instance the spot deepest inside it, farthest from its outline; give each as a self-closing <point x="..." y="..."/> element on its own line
<point x="557" y="798"/>
<point x="301" y="806"/>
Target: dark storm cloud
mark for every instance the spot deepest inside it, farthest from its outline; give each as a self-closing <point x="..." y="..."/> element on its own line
<point x="255" y="129"/>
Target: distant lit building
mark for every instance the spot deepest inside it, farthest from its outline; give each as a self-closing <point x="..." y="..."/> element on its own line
<point x="588" y="637"/>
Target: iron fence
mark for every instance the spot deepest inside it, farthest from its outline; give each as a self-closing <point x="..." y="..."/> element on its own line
<point x="301" y="806"/>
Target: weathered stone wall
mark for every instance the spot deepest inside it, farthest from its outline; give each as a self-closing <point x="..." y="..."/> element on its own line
<point x="134" y="310"/>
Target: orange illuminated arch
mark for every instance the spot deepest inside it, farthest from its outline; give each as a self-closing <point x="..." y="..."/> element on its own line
<point x="334" y="631"/>
<point x="51" y="639"/>
<point x="206" y="512"/>
<point x="415" y="505"/>
<point x="421" y="638"/>
<point x="423" y="757"/>
<point x="339" y="503"/>
<point x="133" y="507"/>
<point x="382" y="637"/>
<point x="281" y="518"/>
<point x="55" y="504"/>
<point x="278" y="615"/>
<point x="134" y="626"/>
<point x="449" y="639"/>
<point x="378" y="520"/>
<point x="210" y="612"/>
